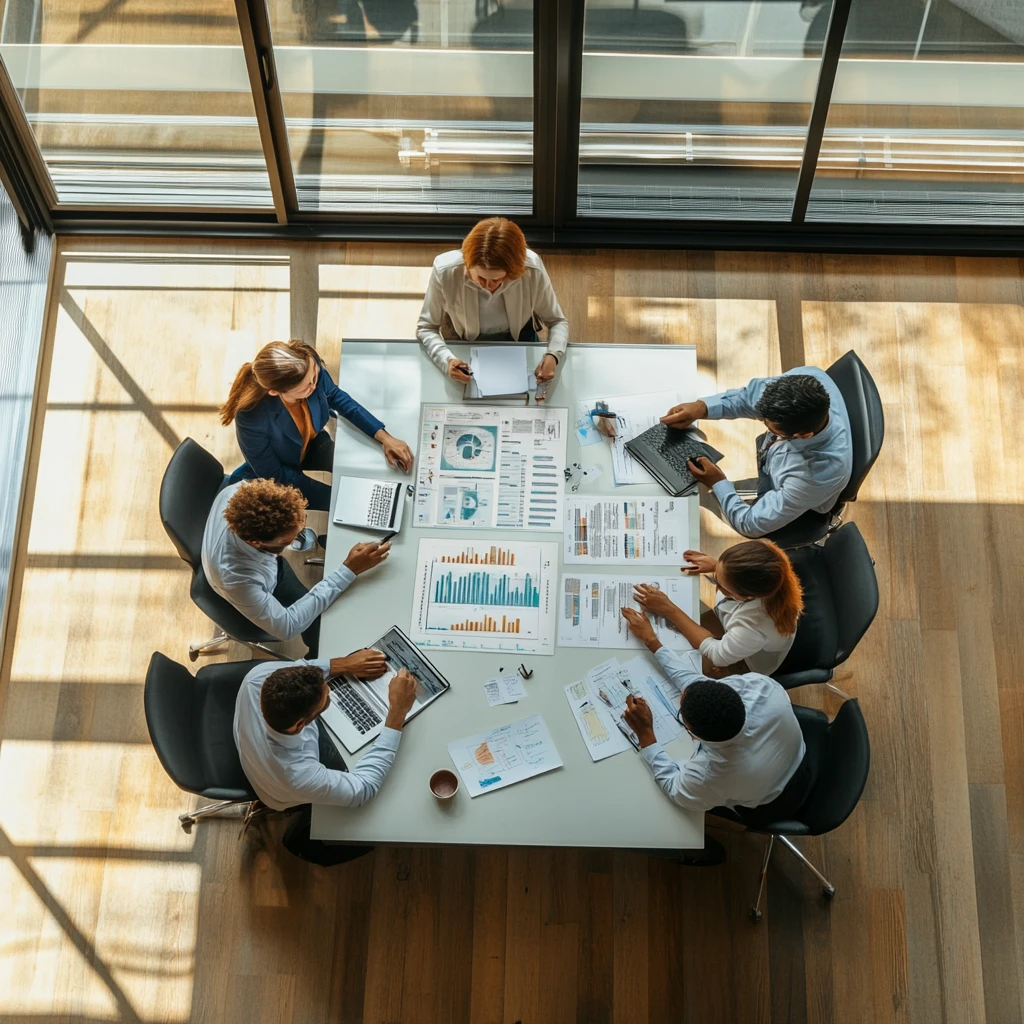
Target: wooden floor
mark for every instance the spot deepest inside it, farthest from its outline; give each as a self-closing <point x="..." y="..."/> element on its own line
<point x="109" y="912"/>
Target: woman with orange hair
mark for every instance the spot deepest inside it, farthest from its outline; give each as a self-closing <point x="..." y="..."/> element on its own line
<point x="492" y="289"/>
<point x="754" y="620"/>
<point x="279" y="404"/>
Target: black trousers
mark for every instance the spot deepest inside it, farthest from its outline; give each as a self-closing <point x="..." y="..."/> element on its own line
<point x="320" y="459"/>
<point x="288" y="590"/>
<point x="296" y="838"/>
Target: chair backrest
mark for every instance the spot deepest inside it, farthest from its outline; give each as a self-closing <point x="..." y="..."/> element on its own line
<point x="840" y="602"/>
<point x="191" y="482"/>
<point x="845" y="760"/>
<point x="854" y="586"/>
<point x="867" y="419"/>
<point x="190" y="720"/>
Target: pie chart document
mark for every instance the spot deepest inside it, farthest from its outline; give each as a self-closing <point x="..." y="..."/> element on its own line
<point x="492" y="467"/>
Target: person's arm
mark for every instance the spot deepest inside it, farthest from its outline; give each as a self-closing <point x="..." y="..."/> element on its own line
<point x="429" y="323"/>
<point x="254" y="440"/>
<point x="678" y="669"/>
<point x="739" y="643"/>
<point x="657" y="602"/>
<point x="547" y="309"/>
<point x="345" y="405"/>
<point x="772" y="510"/>
<point x="737" y="404"/>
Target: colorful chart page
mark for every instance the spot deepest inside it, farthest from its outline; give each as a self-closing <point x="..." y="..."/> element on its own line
<point x="485" y="597"/>
<point x="504" y="756"/>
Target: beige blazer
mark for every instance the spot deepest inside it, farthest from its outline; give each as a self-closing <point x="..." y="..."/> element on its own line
<point x="451" y="291"/>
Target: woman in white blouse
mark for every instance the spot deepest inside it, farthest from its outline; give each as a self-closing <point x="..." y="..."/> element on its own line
<point x="754" y="620"/>
<point x="492" y="289"/>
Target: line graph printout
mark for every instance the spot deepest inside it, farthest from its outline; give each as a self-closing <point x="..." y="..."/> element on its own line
<point x="473" y="596"/>
<point x="590" y="610"/>
<point x="491" y="467"/>
<point x="598" y="700"/>
<point x="504" y="756"/>
<point x="625" y="531"/>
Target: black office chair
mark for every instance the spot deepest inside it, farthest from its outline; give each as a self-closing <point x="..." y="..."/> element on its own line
<point x="840" y="602"/>
<point x="191" y="482"/>
<point x="839" y="757"/>
<point x="867" y="426"/>
<point x="190" y="723"/>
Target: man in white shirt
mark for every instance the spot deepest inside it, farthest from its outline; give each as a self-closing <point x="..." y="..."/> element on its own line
<point x="286" y="753"/>
<point x="747" y="741"/>
<point x="248" y="527"/>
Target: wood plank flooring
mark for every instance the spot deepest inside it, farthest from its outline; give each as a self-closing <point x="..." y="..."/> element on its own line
<point x="111" y="913"/>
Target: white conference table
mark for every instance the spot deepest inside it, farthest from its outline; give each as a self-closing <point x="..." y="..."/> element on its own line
<point x="611" y="803"/>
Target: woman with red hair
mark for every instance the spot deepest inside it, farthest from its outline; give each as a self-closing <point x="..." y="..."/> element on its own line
<point x="754" y="620"/>
<point x="492" y="289"/>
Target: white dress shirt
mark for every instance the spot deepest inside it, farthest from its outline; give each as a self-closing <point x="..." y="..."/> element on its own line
<point x="286" y="770"/>
<point x="806" y="472"/>
<point x="246" y="577"/>
<point x="451" y="290"/>
<point x="750" y="769"/>
<point x="491" y="310"/>
<point x="750" y="636"/>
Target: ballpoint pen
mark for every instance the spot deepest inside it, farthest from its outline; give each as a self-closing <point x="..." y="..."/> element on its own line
<point x="628" y="733"/>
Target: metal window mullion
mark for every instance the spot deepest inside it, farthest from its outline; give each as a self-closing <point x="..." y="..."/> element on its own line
<point x="258" y="46"/>
<point x="830" y="54"/>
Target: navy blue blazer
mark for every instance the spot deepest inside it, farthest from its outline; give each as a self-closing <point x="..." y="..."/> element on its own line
<point x="271" y="442"/>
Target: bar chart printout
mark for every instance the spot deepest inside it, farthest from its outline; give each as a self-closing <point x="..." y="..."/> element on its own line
<point x="481" y="597"/>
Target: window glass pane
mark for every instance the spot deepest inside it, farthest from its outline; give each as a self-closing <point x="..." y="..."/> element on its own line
<point x="138" y="103"/>
<point x="394" y="105"/>
<point x="926" y="122"/>
<point x="695" y="110"/>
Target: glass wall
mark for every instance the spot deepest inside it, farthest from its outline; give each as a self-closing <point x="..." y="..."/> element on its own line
<point x="695" y="110"/>
<point x="138" y="103"/>
<point x="393" y="105"/>
<point x="926" y="123"/>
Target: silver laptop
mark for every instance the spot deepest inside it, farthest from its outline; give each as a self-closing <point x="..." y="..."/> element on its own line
<point x="373" y="504"/>
<point x="358" y="707"/>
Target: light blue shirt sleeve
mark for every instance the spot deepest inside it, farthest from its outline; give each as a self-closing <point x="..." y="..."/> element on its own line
<point x="676" y="668"/>
<point x="358" y="786"/>
<point x="682" y="783"/>
<point x="772" y="510"/>
<point x="260" y="606"/>
<point x="739" y="403"/>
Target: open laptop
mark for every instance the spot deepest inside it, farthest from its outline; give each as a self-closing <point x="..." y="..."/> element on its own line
<point x="664" y="451"/>
<point x="373" y="504"/>
<point x="358" y="707"/>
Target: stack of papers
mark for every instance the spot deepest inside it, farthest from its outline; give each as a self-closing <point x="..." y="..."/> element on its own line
<point x="498" y="371"/>
<point x="599" y="700"/>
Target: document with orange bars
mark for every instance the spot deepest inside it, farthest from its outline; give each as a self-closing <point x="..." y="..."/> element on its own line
<point x="505" y="755"/>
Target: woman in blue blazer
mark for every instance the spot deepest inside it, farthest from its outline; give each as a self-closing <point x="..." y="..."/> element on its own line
<point x="279" y="404"/>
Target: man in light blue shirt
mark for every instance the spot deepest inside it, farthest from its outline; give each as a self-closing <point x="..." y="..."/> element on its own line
<point x="804" y="460"/>
<point x="248" y="527"/>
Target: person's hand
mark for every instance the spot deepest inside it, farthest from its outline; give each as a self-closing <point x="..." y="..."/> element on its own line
<point x="640" y="626"/>
<point x="545" y="373"/>
<point x="704" y="471"/>
<point x="395" y="451"/>
<point x="401" y="695"/>
<point x="639" y="718"/>
<point x="699" y="563"/>
<point x="366" y="556"/>
<point x="365" y="664"/>
<point x="604" y="425"/>
<point x="458" y="370"/>
<point x="656" y="601"/>
<point x="682" y="416"/>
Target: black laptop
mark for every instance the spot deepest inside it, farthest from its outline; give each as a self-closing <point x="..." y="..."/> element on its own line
<point x="664" y="451"/>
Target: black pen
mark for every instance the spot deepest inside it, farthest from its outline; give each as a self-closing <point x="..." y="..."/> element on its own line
<point x="381" y="543"/>
<point x="628" y="733"/>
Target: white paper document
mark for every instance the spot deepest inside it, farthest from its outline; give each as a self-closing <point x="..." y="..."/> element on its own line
<point x="499" y="369"/>
<point x="633" y="415"/>
<point x="485" y="597"/>
<point x="505" y="689"/>
<point x="504" y="756"/>
<point x="491" y="467"/>
<point x="625" y="531"/>
<point x="590" y="610"/>
<point x="599" y="700"/>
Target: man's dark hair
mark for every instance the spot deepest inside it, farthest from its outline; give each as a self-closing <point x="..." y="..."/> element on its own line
<point x="713" y="711"/>
<point x="291" y="694"/>
<point x="798" y="403"/>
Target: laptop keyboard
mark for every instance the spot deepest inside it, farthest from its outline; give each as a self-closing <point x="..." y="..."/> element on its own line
<point x="676" y="447"/>
<point x="382" y="500"/>
<point x="359" y="713"/>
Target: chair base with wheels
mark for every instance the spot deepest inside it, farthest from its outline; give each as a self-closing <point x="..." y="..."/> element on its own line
<point x="828" y="890"/>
